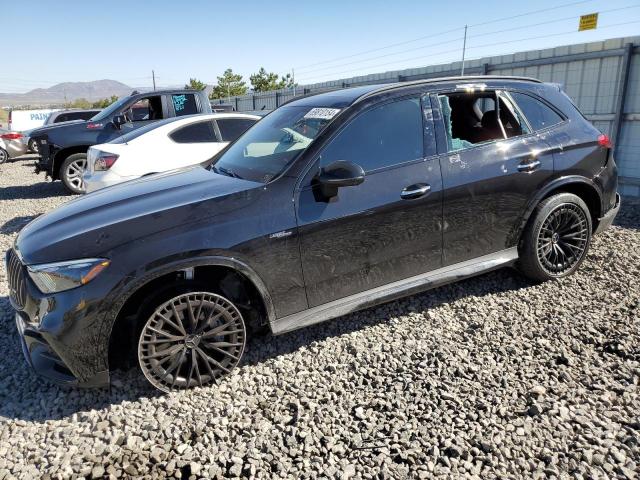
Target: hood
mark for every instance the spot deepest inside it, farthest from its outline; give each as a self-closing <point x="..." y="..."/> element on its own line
<point x="92" y="225"/>
<point x="56" y="126"/>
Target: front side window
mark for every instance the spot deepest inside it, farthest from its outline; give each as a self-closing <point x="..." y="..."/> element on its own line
<point x="273" y="143"/>
<point x="145" y="109"/>
<point x="383" y="136"/>
<point x="184" y="104"/>
<point x="539" y="115"/>
<point x="201" y="132"/>
<point x="232" y="128"/>
<point x="472" y="118"/>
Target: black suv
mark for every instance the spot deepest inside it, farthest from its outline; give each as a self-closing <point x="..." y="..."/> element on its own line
<point x="63" y="148"/>
<point x="330" y="204"/>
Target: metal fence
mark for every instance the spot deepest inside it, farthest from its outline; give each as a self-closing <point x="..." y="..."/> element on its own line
<point x="603" y="78"/>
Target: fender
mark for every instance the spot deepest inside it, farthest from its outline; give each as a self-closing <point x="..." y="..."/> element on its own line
<point x="544" y="191"/>
<point x="123" y="294"/>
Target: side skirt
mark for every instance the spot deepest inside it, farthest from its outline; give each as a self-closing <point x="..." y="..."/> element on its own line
<point x="395" y="290"/>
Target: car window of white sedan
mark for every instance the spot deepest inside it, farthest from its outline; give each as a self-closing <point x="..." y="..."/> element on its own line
<point x="200" y="132"/>
<point x="232" y="128"/>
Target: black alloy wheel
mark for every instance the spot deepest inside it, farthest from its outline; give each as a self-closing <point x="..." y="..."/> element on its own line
<point x="563" y="239"/>
<point x="191" y="340"/>
<point x="556" y="239"/>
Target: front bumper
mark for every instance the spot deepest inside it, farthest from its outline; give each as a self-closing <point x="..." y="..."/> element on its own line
<point x="64" y="336"/>
<point x="46" y="362"/>
<point x="605" y="221"/>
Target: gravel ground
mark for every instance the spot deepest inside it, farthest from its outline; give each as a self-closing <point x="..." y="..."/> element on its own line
<point x="490" y="377"/>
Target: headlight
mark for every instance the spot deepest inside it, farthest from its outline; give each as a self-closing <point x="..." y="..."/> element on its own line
<point x="61" y="276"/>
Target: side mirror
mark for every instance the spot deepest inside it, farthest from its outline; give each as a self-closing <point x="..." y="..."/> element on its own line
<point x="339" y="174"/>
<point x="119" y="120"/>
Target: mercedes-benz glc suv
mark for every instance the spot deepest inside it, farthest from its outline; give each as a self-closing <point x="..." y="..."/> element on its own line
<point x="331" y="203"/>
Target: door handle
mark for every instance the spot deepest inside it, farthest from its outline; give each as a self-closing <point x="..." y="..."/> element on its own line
<point x="529" y="167"/>
<point x="415" y="191"/>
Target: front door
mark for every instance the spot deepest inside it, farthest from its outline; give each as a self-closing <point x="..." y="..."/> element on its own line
<point x="493" y="164"/>
<point x="388" y="227"/>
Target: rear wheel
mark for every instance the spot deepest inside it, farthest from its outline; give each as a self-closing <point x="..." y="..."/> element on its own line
<point x="33" y="146"/>
<point x="191" y="340"/>
<point x="556" y="239"/>
<point x="4" y="156"/>
<point x="71" y="172"/>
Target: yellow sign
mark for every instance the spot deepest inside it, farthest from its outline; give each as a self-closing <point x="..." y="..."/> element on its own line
<point x="588" y="22"/>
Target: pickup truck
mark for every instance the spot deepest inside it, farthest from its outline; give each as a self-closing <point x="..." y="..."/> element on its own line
<point x="63" y="148"/>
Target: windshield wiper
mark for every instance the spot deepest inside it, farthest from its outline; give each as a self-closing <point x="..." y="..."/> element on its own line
<point x="225" y="171"/>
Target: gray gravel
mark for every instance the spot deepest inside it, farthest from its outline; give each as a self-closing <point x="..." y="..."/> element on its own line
<point x="490" y="377"/>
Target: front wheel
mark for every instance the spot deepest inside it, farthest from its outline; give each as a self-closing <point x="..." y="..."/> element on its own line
<point x="71" y="172"/>
<point x="556" y="239"/>
<point x="4" y="156"/>
<point x="191" y="340"/>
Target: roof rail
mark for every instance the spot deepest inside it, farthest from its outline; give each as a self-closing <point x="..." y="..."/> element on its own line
<point x="465" y="79"/>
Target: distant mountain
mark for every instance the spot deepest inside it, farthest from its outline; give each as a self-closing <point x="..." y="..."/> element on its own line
<point x="67" y="92"/>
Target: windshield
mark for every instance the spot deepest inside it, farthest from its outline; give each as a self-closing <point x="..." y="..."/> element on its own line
<point x="271" y="145"/>
<point x="110" y="110"/>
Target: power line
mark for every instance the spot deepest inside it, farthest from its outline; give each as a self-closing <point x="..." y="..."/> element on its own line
<point x="444" y="32"/>
<point x="468" y="48"/>
<point x="531" y="13"/>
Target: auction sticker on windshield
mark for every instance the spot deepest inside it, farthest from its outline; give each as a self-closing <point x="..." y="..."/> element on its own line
<point x="322" y="113"/>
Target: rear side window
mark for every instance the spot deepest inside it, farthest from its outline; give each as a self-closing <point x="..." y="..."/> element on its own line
<point x="386" y="135"/>
<point x="201" y="132"/>
<point x="61" y="118"/>
<point x="184" y="104"/>
<point x="539" y="115"/>
<point x="232" y="128"/>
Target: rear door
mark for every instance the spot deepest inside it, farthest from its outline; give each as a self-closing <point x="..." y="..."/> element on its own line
<point x="388" y="227"/>
<point x="493" y="163"/>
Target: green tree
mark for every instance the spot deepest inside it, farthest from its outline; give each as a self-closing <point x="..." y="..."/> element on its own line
<point x="105" y="102"/>
<point x="264" y="81"/>
<point x="229" y="85"/>
<point x="195" y="84"/>
<point x="79" y="103"/>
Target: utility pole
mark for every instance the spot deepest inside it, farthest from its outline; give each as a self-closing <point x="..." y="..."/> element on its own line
<point x="153" y="75"/>
<point x="464" y="48"/>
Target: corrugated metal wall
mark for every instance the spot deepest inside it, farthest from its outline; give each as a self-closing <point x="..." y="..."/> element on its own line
<point x="593" y="74"/>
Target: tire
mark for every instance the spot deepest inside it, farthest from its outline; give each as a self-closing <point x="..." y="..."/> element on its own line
<point x="556" y="239"/>
<point x="191" y="340"/>
<point x="71" y="172"/>
<point x="33" y="146"/>
<point x="4" y="156"/>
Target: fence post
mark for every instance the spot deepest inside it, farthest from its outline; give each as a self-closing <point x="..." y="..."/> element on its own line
<point x="253" y="101"/>
<point x="236" y="99"/>
<point x="277" y="98"/>
<point x="618" y="118"/>
<point x="485" y="68"/>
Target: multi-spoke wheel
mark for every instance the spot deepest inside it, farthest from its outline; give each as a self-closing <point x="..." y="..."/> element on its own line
<point x="563" y="238"/>
<point x="191" y="340"/>
<point x="72" y="170"/>
<point x="557" y="237"/>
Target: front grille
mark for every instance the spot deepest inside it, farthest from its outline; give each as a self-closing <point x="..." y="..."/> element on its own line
<point x="17" y="285"/>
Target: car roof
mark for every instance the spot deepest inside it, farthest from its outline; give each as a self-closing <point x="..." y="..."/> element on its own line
<point x="348" y="96"/>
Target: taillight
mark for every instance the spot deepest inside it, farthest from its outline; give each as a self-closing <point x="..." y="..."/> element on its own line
<point x="93" y="126"/>
<point x="104" y="161"/>
<point x="604" y="141"/>
<point x="11" y="136"/>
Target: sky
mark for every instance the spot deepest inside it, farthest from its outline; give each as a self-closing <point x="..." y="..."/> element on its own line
<point x="125" y="40"/>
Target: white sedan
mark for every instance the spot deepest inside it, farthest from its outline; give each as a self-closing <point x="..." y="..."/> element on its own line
<point x="161" y="146"/>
